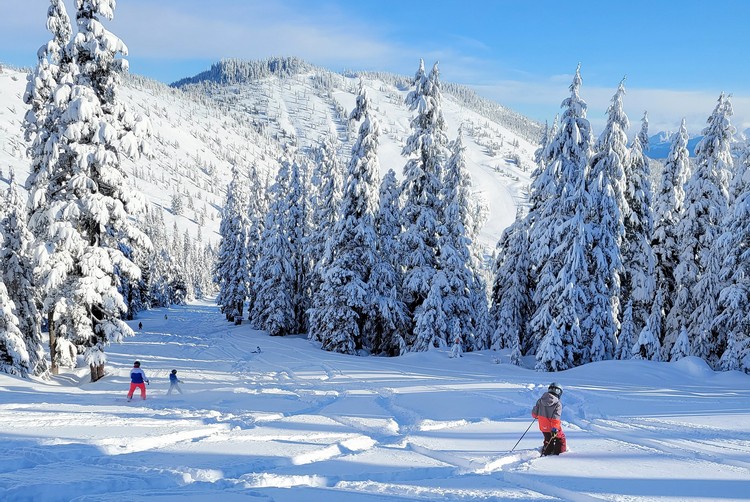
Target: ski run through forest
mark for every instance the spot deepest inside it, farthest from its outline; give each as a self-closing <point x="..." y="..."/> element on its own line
<point x="609" y="276"/>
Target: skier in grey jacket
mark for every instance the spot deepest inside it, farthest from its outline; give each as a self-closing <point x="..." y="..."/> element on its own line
<point x="548" y="410"/>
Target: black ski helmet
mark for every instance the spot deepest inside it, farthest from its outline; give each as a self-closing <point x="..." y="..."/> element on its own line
<point x="555" y="388"/>
<point x="174" y="372"/>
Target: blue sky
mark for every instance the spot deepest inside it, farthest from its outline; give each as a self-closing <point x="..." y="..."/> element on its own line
<point x="677" y="56"/>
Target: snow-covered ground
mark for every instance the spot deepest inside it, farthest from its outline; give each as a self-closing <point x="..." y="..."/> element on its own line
<point x="294" y="423"/>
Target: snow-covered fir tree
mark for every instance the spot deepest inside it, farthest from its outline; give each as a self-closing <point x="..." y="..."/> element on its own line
<point x="627" y="339"/>
<point x="643" y="134"/>
<point x="510" y="291"/>
<point x="158" y="265"/>
<point x="573" y="296"/>
<point x="554" y="208"/>
<point x="16" y="242"/>
<point x="551" y="352"/>
<point x="81" y="209"/>
<point x="389" y="323"/>
<point x="426" y="149"/>
<point x="706" y="201"/>
<point x="231" y="271"/>
<point x="466" y="303"/>
<point x="325" y="195"/>
<point x="637" y="280"/>
<point x="543" y="191"/>
<point x="681" y="347"/>
<point x="732" y="247"/>
<point x="648" y="343"/>
<point x="300" y="224"/>
<point x="607" y="206"/>
<point x="346" y="301"/>
<point x="668" y="205"/>
<point x="52" y="67"/>
<point x="647" y="346"/>
<point x="275" y="276"/>
<point x="257" y="209"/>
<point x="14" y="356"/>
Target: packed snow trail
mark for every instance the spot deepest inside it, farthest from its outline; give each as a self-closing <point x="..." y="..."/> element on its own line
<point x="292" y="422"/>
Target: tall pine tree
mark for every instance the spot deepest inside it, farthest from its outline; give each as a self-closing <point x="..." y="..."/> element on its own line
<point x="553" y="216"/>
<point x="606" y="207"/>
<point x="18" y="275"/>
<point x="346" y="301"/>
<point x="706" y="201"/>
<point x="82" y="213"/>
<point x="274" y="276"/>
<point x="426" y="149"/>
<point x="231" y="272"/>
<point x="668" y="206"/>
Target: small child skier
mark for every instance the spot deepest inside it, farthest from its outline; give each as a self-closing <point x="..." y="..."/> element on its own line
<point x="137" y="379"/>
<point x="173" y="381"/>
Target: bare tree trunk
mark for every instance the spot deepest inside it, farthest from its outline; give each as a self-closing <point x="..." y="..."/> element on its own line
<point x="52" y="344"/>
<point x="97" y="371"/>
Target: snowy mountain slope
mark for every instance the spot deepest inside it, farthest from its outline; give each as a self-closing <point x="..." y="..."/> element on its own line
<point x="194" y="144"/>
<point x="304" y="104"/>
<point x="292" y="422"/>
<point x="201" y="131"/>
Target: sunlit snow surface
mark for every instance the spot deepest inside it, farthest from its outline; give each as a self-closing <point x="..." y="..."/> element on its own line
<point x="294" y="423"/>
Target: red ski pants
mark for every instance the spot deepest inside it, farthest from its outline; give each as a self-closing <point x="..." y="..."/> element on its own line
<point x="134" y="386"/>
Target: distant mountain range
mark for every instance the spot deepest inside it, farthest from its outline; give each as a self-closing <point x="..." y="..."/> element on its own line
<point x="660" y="143"/>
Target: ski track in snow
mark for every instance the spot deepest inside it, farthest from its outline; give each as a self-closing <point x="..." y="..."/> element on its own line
<point x="295" y="423"/>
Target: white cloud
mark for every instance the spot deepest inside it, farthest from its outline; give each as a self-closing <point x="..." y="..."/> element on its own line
<point x="541" y="99"/>
<point x="251" y="30"/>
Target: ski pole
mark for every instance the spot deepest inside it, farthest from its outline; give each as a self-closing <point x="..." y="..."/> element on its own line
<point x="519" y="439"/>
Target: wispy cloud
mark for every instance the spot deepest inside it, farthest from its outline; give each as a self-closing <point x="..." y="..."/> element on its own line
<point x="541" y="99"/>
<point x="252" y="30"/>
<point x="161" y="34"/>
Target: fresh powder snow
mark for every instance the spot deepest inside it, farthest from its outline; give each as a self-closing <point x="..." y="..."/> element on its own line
<point x="267" y="418"/>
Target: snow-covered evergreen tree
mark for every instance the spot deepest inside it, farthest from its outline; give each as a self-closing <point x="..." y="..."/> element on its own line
<point x="637" y="282"/>
<point x="17" y="273"/>
<point x="14" y="356"/>
<point x="681" y="348"/>
<point x="510" y="292"/>
<point x="643" y="134"/>
<point x="551" y="352"/>
<point x="554" y="208"/>
<point x="426" y="149"/>
<point x="706" y="201"/>
<point x="346" y="301"/>
<point x="626" y="340"/>
<point x="257" y="210"/>
<point x="231" y="272"/>
<point x="668" y="206"/>
<point x="325" y="200"/>
<point x="733" y="315"/>
<point x="81" y="209"/>
<point x="466" y="303"/>
<point x="389" y="323"/>
<point x="52" y="67"/>
<point x="274" y="274"/>
<point x="606" y="207"/>
<point x="647" y="346"/>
